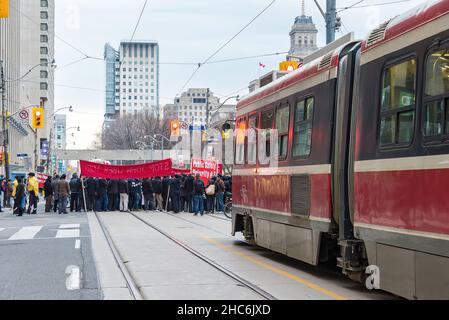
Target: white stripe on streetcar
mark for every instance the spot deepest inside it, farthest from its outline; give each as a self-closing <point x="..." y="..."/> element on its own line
<point x="77" y="244"/>
<point x="25" y="233"/>
<point x="69" y="226"/>
<point x="68" y="233"/>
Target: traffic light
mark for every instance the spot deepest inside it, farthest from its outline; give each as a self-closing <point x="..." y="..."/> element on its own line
<point x="175" y="127"/>
<point x="37" y="119"/>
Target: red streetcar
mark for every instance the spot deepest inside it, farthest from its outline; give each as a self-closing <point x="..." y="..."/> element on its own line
<point x="363" y="146"/>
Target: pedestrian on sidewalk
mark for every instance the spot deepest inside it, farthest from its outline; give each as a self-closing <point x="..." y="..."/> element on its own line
<point x="165" y="193"/>
<point x="102" y="196"/>
<point x="157" y="188"/>
<point x="63" y="193"/>
<point x="9" y="188"/>
<point x="148" y="199"/>
<point x="19" y="197"/>
<point x="137" y="194"/>
<point x="75" y="190"/>
<point x="48" y="192"/>
<point x="123" y="189"/>
<point x="55" y="185"/>
<point x="91" y="189"/>
<point x="14" y="193"/>
<point x="2" y="192"/>
<point x="33" y="189"/>
<point x="198" y="201"/>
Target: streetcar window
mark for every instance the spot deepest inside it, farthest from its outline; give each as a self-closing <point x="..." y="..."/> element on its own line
<point x="240" y="142"/>
<point x="437" y="73"/>
<point x="398" y="103"/>
<point x="266" y="124"/>
<point x="436" y="109"/>
<point x="399" y="85"/>
<point x="302" y="138"/>
<point x="252" y="140"/>
<point x="282" y="123"/>
<point x="433" y="118"/>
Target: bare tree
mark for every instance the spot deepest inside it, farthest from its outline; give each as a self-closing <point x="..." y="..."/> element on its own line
<point x="123" y="133"/>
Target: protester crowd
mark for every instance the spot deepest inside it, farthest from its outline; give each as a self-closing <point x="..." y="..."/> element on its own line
<point x="178" y="193"/>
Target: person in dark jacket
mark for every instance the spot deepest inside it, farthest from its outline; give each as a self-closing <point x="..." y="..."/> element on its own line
<point x="54" y="185"/>
<point x="20" y="198"/>
<point x="102" y="196"/>
<point x="75" y="190"/>
<point x="157" y="189"/>
<point x="91" y="190"/>
<point x="188" y="190"/>
<point x="221" y="188"/>
<point x="182" y="197"/>
<point x="123" y="190"/>
<point x="165" y="193"/>
<point x="175" y="193"/>
<point x="137" y="194"/>
<point x="114" y="196"/>
<point x="198" y="194"/>
<point x="48" y="191"/>
<point x="147" y="190"/>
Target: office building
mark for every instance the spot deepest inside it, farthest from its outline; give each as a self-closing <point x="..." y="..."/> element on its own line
<point x="132" y="79"/>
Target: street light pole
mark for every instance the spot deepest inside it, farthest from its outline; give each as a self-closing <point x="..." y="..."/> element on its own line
<point x="5" y="133"/>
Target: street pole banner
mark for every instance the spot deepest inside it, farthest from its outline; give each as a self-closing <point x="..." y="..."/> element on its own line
<point x="147" y="170"/>
<point x="205" y="168"/>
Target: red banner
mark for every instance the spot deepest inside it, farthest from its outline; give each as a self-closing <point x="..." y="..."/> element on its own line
<point x="205" y="168"/>
<point x="180" y="171"/>
<point x="147" y="170"/>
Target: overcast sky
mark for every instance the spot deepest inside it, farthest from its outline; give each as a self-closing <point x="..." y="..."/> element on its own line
<point x="187" y="31"/>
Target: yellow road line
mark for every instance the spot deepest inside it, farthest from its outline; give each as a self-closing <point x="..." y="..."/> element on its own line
<point x="281" y="272"/>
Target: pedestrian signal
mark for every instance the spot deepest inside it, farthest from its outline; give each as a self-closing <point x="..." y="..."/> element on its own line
<point x="37" y="119"/>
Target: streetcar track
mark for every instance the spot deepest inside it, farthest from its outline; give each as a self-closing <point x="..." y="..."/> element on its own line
<point x="130" y="283"/>
<point x="245" y="283"/>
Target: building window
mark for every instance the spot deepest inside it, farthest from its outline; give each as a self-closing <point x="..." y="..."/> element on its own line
<point x="44" y="74"/>
<point x="44" y="15"/>
<point x="44" y="3"/>
<point x="282" y="124"/>
<point x="398" y="103"/>
<point x="44" y="38"/>
<point x="44" y="62"/>
<point x="303" y="124"/>
<point x="436" y="98"/>
<point x="44" y="27"/>
<point x="44" y="86"/>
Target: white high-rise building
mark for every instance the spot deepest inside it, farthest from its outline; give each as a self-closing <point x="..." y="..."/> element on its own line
<point x="132" y="79"/>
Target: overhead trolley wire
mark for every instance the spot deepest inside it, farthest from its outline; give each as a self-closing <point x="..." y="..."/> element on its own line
<point x="224" y="45"/>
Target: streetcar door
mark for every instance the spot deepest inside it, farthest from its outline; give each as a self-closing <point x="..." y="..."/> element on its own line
<point x="341" y="142"/>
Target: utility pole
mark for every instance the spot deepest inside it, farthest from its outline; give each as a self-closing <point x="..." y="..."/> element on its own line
<point x="330" y="16"/>
<point x="5" y="132"/>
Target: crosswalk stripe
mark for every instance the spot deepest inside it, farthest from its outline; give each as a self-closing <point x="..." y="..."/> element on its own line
<point x="26" y="233"/>
<point x="68" y="233"/>
<point x="69" y="226"/>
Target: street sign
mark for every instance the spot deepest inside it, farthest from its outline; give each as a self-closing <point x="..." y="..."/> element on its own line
<point x="22" y="155"/>
<point x="196" y="128"/>
<point x="24" y="115"/>
<point x="184" y="125"/>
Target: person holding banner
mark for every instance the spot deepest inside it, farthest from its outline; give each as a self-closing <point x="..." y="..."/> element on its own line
<point x="147" y="189"/>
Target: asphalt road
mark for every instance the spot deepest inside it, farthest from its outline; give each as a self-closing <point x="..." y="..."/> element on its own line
<point x="46" y="256"/>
